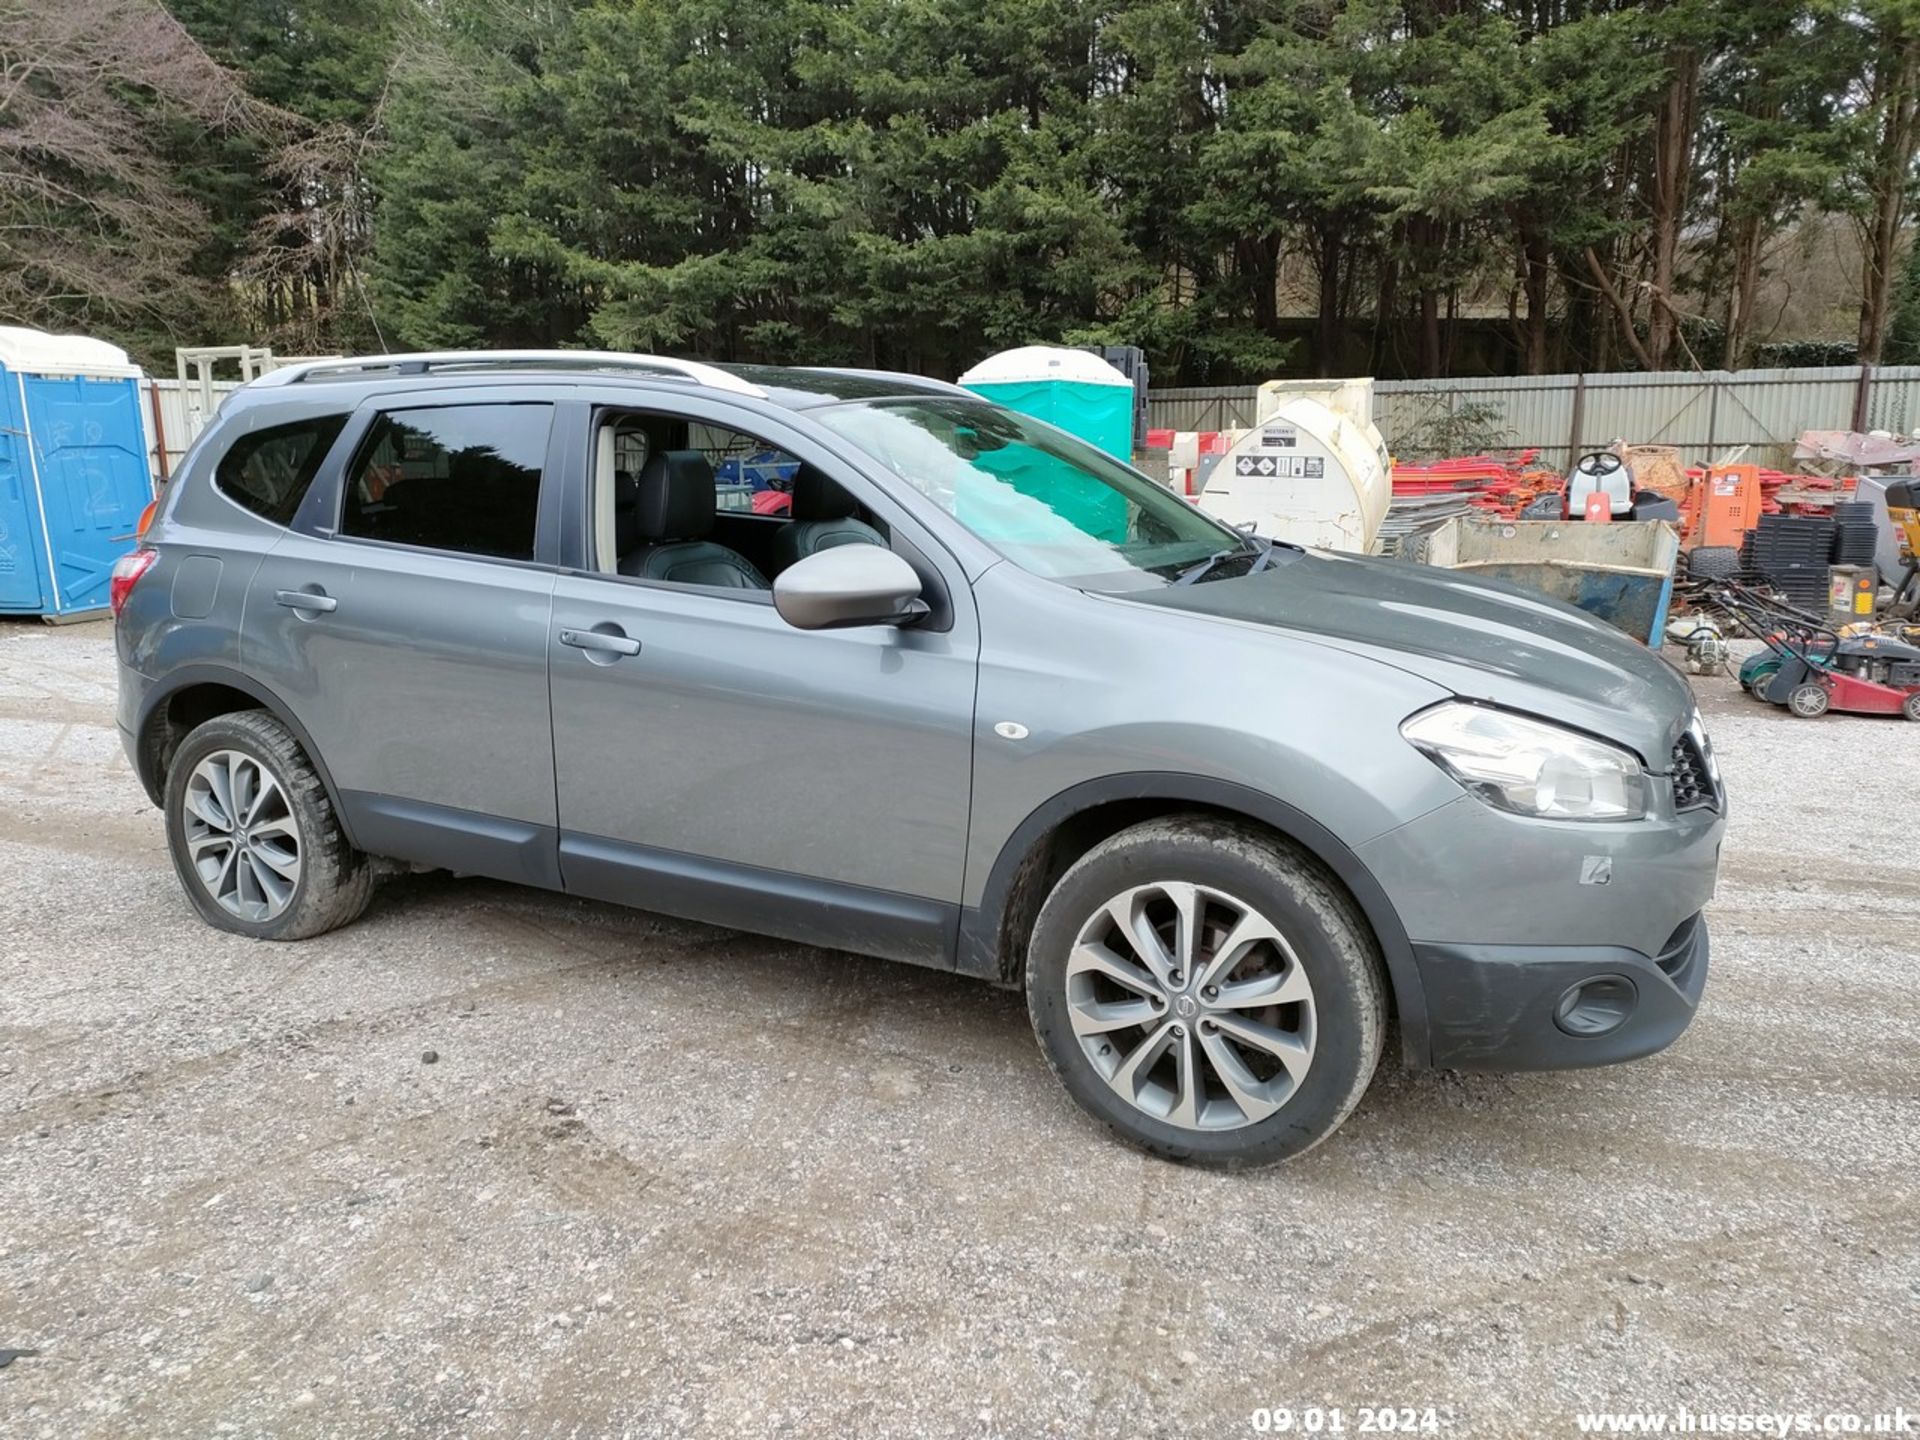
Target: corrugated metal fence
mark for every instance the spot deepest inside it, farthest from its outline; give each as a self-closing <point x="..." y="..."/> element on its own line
<point x="1706" y="414"/>
<point x="1206" y="408"/>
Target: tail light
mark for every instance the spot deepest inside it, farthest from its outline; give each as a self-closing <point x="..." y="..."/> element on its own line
<point x="127" y="571"/>
<point x="146" y="518"/>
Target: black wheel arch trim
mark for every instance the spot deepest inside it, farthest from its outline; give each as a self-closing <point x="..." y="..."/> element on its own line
<point x="188" y="676"/>
<point x="978" y="941"/>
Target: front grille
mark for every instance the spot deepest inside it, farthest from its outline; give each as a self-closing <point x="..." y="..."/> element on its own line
<point x="1692" y="784"/>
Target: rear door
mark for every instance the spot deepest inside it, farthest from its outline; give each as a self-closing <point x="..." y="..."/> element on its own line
<point x="404" y="619"/>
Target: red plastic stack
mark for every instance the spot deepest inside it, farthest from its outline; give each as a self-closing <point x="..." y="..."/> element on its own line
<point x="1499" y="484"/>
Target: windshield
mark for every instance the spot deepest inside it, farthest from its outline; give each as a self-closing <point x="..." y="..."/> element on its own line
<point x="1051" y="504"/>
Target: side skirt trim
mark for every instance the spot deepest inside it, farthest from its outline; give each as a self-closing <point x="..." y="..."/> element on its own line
<point x="826" y="913"/>
<point x="460" y="840"/>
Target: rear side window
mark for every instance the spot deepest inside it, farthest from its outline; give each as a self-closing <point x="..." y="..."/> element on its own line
<point x="268" y="472"/>
<point x="454" y="477"/>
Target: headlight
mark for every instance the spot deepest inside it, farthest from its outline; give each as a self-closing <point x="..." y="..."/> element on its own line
<point x="1529" y="766"/>
<point x="1697" y="728"/>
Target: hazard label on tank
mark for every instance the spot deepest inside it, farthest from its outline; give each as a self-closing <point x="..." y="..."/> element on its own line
<point x="1285" y="467"/>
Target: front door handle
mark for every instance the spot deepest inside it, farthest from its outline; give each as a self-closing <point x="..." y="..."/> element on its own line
<point x="306" y="600"/>
<point x="600" y="641"/>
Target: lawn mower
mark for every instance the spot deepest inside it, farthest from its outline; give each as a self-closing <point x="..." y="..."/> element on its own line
<point x="1810" y="666"/>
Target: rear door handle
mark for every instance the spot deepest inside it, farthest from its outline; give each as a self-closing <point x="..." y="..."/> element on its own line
<point x="306" y="600"/>
<point x="600" y="641"/>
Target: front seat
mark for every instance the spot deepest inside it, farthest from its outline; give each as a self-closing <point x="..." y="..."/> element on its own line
<point x="674" y="515"/>
<point x="626" y="515"/>
<point x="822" y="518"/>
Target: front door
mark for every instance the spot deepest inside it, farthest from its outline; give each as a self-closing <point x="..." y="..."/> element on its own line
<point x="712" y="761"/>
<point x="408" y="633"/>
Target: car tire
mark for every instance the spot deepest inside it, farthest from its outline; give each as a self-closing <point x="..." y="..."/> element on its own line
<point x="253" y="833"/>
<point x="1275" y="1079"/>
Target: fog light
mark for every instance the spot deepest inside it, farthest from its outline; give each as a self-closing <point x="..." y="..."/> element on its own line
<point x="1596" y="1007"/>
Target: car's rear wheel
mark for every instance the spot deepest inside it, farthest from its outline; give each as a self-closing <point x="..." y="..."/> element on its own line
<point x="253" y="834"/>
<point x="1208" y="991"/>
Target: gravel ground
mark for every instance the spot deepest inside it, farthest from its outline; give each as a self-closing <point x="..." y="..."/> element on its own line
<point x="498" y="1163"/>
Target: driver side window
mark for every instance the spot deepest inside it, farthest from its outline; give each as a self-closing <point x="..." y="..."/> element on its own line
<point x="681" y="501"/>
<point x="751" y="477"/>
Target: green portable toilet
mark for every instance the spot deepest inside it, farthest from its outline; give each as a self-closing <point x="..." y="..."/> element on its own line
<point x="1074" y="389"/>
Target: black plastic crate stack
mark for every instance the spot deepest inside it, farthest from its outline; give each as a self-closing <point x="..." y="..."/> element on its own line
<point x="1855" y="533"/>
<point x="1793" y="552"/>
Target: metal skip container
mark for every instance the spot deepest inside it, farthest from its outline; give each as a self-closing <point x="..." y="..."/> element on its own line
<point x="1621" y="573"/>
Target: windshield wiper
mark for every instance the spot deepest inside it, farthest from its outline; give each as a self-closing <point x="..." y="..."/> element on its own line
<point x="1273" y="547"/>
<point x="1200" y="568"/>
<point x="1260" y="550"/>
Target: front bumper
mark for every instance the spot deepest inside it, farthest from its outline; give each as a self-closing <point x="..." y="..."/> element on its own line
<point x="1505" y="914"/>
<point x="1503" y="1007"/>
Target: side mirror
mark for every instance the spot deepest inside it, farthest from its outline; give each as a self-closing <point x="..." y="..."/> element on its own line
<point x="846" y="586"/>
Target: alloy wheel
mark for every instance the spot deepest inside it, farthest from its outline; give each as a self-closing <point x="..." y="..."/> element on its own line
<point x="241" y="835"/>
<point x="1191" y="1005"/>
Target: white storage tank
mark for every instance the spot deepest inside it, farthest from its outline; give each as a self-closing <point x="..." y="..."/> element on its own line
<point x="1307" y="472"/>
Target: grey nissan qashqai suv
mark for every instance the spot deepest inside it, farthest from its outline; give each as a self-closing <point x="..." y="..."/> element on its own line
<point x="863" y="661"/>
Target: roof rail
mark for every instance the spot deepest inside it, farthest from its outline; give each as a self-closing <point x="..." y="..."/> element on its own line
<point x="428" y="361"/>
<point x="927" y="380"/>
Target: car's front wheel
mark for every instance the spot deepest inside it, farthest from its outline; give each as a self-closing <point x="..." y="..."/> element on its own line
<point x="253" y="834"/>
<point x="1208" y="991"/>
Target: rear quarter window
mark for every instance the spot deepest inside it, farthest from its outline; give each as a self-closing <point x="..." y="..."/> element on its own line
<point x="268" y="472"/>
<point x="464" y="478"/>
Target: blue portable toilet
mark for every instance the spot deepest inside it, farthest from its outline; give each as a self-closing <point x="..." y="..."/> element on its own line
<point x="73" y="469"/>
<point x="1074" y="389"/>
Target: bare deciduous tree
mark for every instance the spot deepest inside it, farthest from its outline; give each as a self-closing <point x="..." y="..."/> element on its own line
<point x="302" y="275"/>
<point x="1894" y="108"/>
<point x="92" y="227"/>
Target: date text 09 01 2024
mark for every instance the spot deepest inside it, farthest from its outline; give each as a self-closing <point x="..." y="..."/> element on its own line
<point x="1357" y="1420"/>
